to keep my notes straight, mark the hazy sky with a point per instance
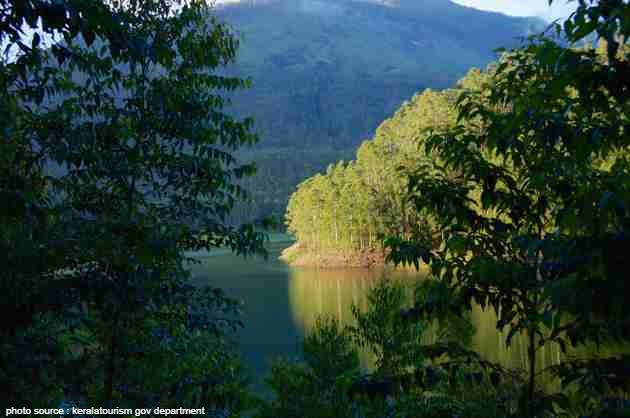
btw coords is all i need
(559, 8)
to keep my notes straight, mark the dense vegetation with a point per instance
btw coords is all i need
(530, 197)
(353, 205)
(524, 199)
(115, 157)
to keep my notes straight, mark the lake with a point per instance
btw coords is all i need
(282, 303)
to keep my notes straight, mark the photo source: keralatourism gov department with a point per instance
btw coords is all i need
(105, 411)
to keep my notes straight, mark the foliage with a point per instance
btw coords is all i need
(529, 192)
(354, 204)
(403, 383)
(320, 386)
(395, 342)
(115, 157)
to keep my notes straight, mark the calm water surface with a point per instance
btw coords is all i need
(282, 303)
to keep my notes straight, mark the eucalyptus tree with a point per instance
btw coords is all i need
(361, 201)
(531, 200)
(115, 158)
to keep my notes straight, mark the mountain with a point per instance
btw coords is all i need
(325, 73)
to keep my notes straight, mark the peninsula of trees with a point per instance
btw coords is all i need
(339, 218)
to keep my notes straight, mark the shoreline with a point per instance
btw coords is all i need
(297, 255)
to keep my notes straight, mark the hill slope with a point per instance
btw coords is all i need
(326, 72)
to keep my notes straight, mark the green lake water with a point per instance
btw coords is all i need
(282, 303)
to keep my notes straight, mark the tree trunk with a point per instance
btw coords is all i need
(531, 355)
(110, 370)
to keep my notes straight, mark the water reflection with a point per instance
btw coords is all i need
(490, 343)
(332, 292)
(313, 293)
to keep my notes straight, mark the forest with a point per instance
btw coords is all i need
(355, 204)
(119, 159)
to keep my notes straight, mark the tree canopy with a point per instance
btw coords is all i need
(115, 158)
(353, 205)
(529, 193)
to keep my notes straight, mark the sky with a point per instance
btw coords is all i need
(540, 8)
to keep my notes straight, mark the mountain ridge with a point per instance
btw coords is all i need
(325, 73)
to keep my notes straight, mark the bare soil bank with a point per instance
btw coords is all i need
(299, 256)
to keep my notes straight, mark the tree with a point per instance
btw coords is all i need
(115, 158)
(318, 387)
(394, 341)
(531, 199)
